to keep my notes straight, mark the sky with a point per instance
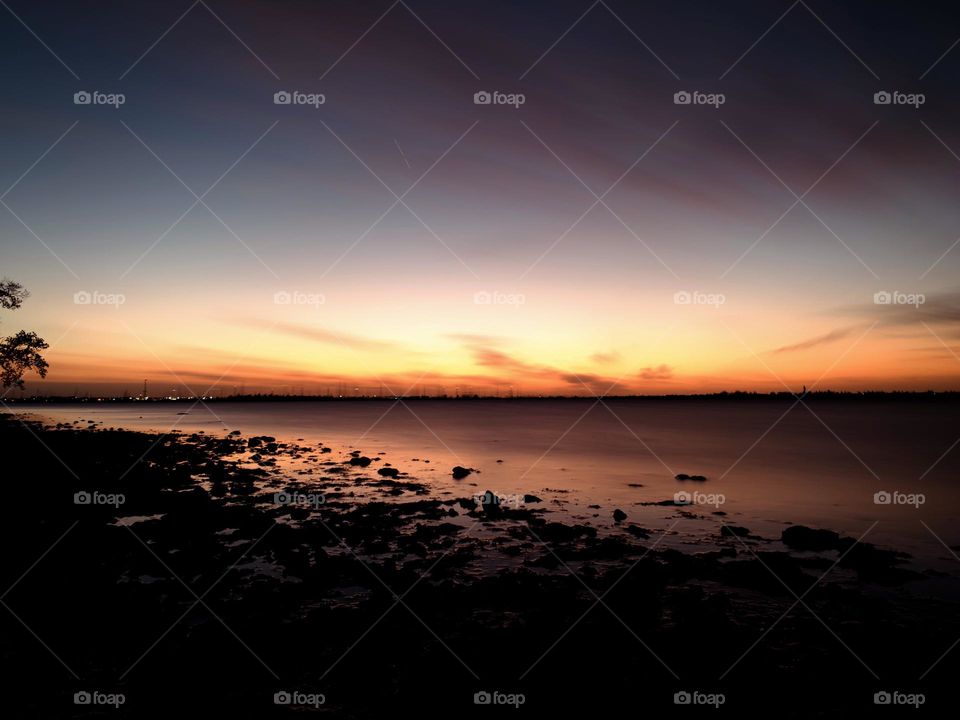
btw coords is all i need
(584, 233)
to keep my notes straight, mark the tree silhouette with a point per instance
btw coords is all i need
(20, 352)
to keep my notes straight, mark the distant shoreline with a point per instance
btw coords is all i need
(949, 396)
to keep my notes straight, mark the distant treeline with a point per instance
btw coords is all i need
(738, 395)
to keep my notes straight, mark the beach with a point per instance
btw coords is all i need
(222, 567)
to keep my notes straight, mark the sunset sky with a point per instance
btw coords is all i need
(299, 268)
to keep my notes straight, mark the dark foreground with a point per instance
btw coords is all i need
(358, 593)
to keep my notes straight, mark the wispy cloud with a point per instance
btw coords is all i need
(825, 339)
(321, 335)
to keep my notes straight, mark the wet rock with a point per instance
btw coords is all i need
(490, 502)
(460, 472)
(361, 461)
(734, 531)
(800, 537)
(691, 478)
(619, 515)
(388, 472)
(531, 499)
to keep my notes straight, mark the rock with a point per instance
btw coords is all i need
(460, 472)
(734, 531)
(388, 472)
(691, 478)
(619, 515)
(531, 499)
(467, 503)
(235, 433)
(800, 537)
(254, 442)
(490, 502)
(361, 461)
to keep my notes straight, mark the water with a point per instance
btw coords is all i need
(773, 465)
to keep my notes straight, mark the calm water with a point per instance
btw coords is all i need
(771, 468)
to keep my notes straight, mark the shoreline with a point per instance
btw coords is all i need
(503, 583)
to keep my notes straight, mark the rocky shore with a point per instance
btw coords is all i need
(251, 577)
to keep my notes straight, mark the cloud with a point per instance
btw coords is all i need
(604, 358)
(825, 339)
(942, 308)
(315, 334)
(660, 372)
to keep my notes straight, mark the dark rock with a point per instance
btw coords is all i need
(619, 515)
(460, 472)
(531, 499)
(361, 461)
(734, 531)
(800, 537)
(388, 472)
(490, 502)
